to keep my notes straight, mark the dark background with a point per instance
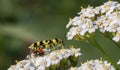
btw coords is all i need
(23, 22)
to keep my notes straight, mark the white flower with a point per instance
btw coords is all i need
(108, 6)
(42, 67)
(73, 31)
(97, 10)
(105, 18)
(88, 12)
(73, 22)
(118, 6)
(94, 65)
(73, 68)
(76, 52)
(118, 62)
(117, 37)
(41, 62)
(48, 62)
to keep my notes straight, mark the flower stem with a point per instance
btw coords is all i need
(114, 42)
(96, 45)
(107, 35)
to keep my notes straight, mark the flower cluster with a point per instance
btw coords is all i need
(52, 61)
(94, 65)
(105, 18)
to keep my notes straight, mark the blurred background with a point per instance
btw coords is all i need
(23, 22)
